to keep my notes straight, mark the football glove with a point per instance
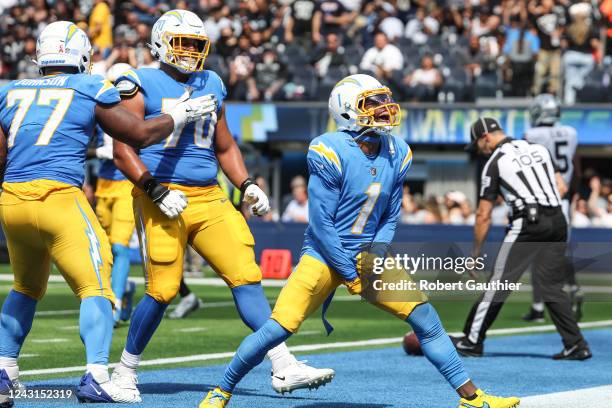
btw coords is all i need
(255, 197)
(170, 202)
(105, 152)
(189, 109)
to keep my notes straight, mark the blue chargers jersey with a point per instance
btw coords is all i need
(353, 200)
(188, 158)
(48, 123)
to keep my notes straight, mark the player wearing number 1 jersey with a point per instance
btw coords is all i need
(561, 141)
(354, 200)
(45, 127)
(178, 201)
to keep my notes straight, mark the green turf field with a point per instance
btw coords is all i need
(54, 339)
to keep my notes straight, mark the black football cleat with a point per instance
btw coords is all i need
(466, 348)
(578, 351)
(533, 316)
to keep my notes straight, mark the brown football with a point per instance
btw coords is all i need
(411, 345)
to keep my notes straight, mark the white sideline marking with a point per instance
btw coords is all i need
(588, 397)
(69, 328)
(192, 329)
(27, 355)
(309, 347)
(56, 340)
(309, 332)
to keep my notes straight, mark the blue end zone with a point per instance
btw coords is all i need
(517, 365)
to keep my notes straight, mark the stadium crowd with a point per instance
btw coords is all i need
(444, 50)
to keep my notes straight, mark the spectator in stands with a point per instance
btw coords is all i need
(330, 16)
(270, 76)
(382, 58)
(227, 44)
(100, 26)
(602, 217)
(581, 43)
(297, 209)
(261, 16)
(421, 27)
(521, 50)
(580, 217)
(452, 202)
(147, 11)
(475, 60)
(390, 24)
(548, 21)
(299, 21)
(241, 83)
(606, 11)
(433, 213)
(424, 83)
(25, 67)
(331, 55)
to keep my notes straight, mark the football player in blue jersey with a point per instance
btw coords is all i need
(354, 199)
(45, 127)
(185, 166)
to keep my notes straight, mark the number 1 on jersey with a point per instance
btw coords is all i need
(372, 192)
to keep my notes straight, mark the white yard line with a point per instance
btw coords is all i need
(192, 329)
(309, 347)
(56, 340)
(596, 397)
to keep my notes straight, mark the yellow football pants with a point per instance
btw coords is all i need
(210, 224)
(307, 288)
(114, 209)
(59, 227)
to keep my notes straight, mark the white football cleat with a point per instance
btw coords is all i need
(126, 381)
(187, 305)
(299, 375)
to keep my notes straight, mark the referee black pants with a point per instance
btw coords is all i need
(541, 245)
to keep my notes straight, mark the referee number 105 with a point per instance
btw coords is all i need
(528, 159)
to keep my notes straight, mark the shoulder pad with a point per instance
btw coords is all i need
(126, 88)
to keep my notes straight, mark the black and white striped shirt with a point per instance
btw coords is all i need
(523, 173)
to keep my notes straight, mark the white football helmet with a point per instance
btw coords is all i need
(63, 44)
(361, 101)
(170, 36)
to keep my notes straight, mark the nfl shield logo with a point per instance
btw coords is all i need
(373, 171)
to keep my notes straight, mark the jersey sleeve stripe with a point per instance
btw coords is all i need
(407, 160)
(327, 153)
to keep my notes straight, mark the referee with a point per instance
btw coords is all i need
(524, 174)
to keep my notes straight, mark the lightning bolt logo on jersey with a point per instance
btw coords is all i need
(48, 123)
(187, 158)
(367, 186)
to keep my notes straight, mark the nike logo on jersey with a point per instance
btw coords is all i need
(279, 377)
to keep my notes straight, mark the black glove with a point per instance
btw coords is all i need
(155, 191)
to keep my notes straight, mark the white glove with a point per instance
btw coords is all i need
(189, 109)
(104, 152)
(170, 202)
(173, 203)
(257, 200)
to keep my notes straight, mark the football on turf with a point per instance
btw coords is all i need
(411, 345)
